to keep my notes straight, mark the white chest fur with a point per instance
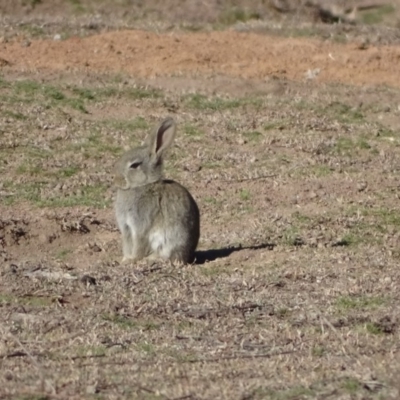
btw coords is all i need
(161, 243)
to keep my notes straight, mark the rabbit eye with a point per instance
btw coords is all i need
(135, 165)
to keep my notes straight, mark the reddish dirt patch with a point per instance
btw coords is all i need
(246, 55)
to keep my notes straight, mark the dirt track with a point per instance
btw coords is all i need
(245, 55)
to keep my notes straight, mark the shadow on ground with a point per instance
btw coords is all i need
(204, 256)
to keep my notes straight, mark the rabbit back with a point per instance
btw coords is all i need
(162, 218)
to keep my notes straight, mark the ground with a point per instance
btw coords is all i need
(288, 139)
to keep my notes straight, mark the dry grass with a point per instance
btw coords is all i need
(298, 202)
(295, 293)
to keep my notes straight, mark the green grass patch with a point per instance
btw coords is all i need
(67, 172)
(350, 239)
(384, 216)
(385, 132)
(273, 125)
(91, 351)
(211, 164)
(29, 169)
(346, 303)
(63, 254)
(302, 218)
(321, 170)
(253, 136)
(90, 196)
(210, 200)
(49, 96)
(204, 103)
(121, 321)
(140, 93)
(234, 15)
(29, 191)
(373, 328)
(292, 237)
(348, 146)
(52, 96)
(299, 392)
(344, 112)
(318, 351)
(85, 93)
(377, 15)
(14, 115)
(33, 397)
(351, 385)
(130, 324)
(33, 301)
(77, 6)
(200, 102)
(375, 220)
(244, 194)
(146, 347)
(95, 146)
(191, 130)
(130, 125)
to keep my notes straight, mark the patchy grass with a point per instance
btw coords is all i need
(27, 300)
(345, 113)
(245, 195)
(359, 303)
(298, 266)
(92, 196)
(62, 254)
(347, 146)
(349, 239)
(192, 130)
(127, 126)
(253, 135)
(234, 15)
(204, 103)
(373, 328)
(377, 16)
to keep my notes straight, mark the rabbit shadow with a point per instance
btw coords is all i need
(203, 256)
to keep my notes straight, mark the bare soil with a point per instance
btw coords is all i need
(234, 54)
(290, 145)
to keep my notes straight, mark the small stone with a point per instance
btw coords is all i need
(312, 195)
(57, 37)
(312, 73)
(91, 389)
(361, 186)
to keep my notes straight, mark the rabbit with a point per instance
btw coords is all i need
(158, 218)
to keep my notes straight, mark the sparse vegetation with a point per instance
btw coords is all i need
(192, 130)
(214, 104)
(359, 303)
(294, 291)
(376, 16)
(234, 15)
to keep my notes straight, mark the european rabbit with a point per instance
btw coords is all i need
(157, 217)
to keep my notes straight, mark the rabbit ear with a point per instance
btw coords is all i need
(163, 137)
